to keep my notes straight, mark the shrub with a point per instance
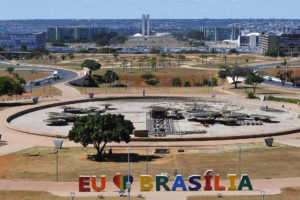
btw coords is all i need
(205, 82)
(250, 95)
(187, 84)
(197, 84)
(176, 82)
(214, 81)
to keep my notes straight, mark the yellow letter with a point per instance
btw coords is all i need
(146, 183)
(232, 178)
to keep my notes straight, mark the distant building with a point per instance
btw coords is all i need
(72, 33)
(14, 41)
(249, 40)
(220, 33)
(146, 25)
(288, 43)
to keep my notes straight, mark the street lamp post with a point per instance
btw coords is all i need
(262, 194)
(240, 152)
(128, 178)
(72, 195)
(147, 169)
(56, 152)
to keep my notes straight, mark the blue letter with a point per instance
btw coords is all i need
(194, 182)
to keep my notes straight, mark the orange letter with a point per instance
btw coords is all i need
(217, 183)
(94, 184)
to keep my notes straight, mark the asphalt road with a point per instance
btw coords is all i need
(64, 75)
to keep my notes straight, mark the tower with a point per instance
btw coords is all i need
(148, 25)
(145, 25)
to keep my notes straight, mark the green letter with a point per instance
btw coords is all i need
(162, 181)
(245, 182)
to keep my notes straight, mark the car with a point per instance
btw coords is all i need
(269, 78)
(277, 67)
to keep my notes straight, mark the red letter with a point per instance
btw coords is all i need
(208, 178)
(217, 183)
(84, 181)
(94, 184)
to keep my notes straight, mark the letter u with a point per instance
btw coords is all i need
(94, 184)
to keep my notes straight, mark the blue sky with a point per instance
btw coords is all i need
(132, 9)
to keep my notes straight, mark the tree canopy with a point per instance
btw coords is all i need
(274, 52)
(284, 76)
(9, 86)
(92, 65)
(235, 72)
(254, 79)
(98, 130)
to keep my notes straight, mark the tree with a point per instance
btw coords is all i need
(232, 51)
(23, 48)
(181, 57)
(63, 57)
(274, 52)
(153, 61)
(9, 86)
(92, 65)
(254, 79)
(155, 51)
(10, 69)
(71, 55)
(187, 84)
(148, 76)
(214, 81)
(284, 76)
(196, 35)
(98, 130)
(176, 82)
(110, 76)
(235, 72)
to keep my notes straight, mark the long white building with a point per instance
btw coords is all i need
(14, 41)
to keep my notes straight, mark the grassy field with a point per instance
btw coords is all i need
(257, 160)
(241, 90)
(36, 92)
(287, 194)
(28, 75)
(30, 195)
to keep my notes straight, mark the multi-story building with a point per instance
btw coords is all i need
(287, 43)
(220, 33)
(14, 41)
(146, 25)
(72, 33)
(249, 40)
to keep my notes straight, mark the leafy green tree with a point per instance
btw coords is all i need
(92, 65)
(205, 82)
(71, 55)
(23, 48)
(63, 57)
(274, 52)
(10, 69)
(214, 81)
(9, 86)
(235, 72)
(187, 84)
(153, 62)
(147, 76)
(181, 57)
(284, 76)
(155, 51)
(110, 76)
(233, 51)
(176, 82)
(98, 130)
(254, 79)
(2, 49)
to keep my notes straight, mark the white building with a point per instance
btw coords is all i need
(14, 41)
(249, 40)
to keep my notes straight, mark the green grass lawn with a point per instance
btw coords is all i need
(257, 160)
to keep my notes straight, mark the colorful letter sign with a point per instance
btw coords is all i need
(88, 183)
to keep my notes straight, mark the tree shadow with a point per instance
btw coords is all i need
(123, 157)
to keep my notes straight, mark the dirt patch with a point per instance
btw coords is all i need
(3, 163)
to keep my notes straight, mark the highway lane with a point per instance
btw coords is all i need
(64, 75)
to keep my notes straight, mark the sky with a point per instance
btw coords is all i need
(158, 9)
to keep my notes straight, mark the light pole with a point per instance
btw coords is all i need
(147, 169)
(262, 194)
(128, 178)
(72, 195)
(56, 152)
(240, 152)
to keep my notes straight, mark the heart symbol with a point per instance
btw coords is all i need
(120, 181)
